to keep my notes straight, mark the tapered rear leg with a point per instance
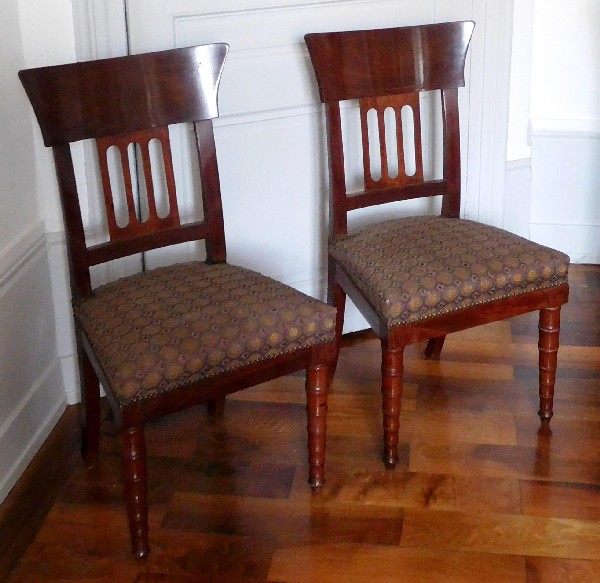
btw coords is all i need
(434, 348)
(549, 328)
(317, 378)
(133, 467)
(90, 407)
(335, 297)
(392, 366)
(215, 407)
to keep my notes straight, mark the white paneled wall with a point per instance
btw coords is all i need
(270, 136)
(31, 384)
(565, 128)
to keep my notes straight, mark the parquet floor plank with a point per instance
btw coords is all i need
(566, 500)
(364, 564)
(504, 534)
(550, 570)
(480, 493)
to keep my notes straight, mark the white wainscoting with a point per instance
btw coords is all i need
(31, 383)
(65, 334)
(517, 200)
(565, 212)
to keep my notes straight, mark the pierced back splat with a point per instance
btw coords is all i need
(402, 141)
(135, 226)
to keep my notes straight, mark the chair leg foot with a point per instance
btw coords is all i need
(549, 328)
(133, 466)
(390, 464)
(317, 377)
(391, 387)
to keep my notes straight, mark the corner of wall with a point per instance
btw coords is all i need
(31, 376)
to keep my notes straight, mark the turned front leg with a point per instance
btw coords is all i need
(316, 408)
(392, 366)
(133, 466)
(549, 327)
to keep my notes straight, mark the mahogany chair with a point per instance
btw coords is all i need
(171, 337)
(419, 277)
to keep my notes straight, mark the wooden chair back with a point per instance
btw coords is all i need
(123, 101)
(385, 70)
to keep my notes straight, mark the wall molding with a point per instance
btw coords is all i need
(275, 6)
(15, 256)
(566, 128)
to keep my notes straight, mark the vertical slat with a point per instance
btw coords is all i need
(415, 105)
(385, 174)
(102, 146)
(76, 248)
(451, 201)
(150, 192)
(365, 107)
(162, 135)
(211, 191)
(123, 146)
(399, 140)
(338, 219)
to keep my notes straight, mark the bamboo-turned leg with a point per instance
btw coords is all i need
(316, 408)
(549, 327)
(434, 348)
(90, 407)
(215, 407)
(133, 466)
(391, 388)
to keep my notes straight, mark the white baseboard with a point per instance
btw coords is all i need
(70, 374)
(28, 426)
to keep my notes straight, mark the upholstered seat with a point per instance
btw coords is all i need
(416, 268)
(169, 327)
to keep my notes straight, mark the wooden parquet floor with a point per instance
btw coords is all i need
(480, 495)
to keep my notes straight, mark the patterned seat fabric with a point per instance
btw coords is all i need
(158, 330)
(420, 267)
